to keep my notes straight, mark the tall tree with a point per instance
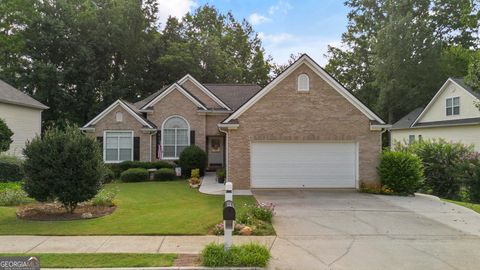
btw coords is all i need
(406, 58)
(212, 47)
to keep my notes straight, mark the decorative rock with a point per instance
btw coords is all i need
(246, 231)
(87, 215)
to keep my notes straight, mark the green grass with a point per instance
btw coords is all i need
(149, 208)
(91, 260)
(474, 206)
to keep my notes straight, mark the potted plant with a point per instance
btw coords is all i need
(194, 178)
(221, 174)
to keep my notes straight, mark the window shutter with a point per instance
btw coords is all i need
(192, 137)
(159, 141)
(100, 141)
(136, 148)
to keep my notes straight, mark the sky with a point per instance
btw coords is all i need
(285, 26)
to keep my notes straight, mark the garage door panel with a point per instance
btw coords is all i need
(290, 165)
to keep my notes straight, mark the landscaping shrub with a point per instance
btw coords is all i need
(443, 165)
(247, 255)
(105, 197)
(5, 136)
(164, 174)
(66, 166)
(401, 172)
(193, 157)
(10, 172)
(134, 175)
(125, 165)
(108, 176)
(13, 197)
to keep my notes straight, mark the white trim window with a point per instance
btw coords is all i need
(175, 137)
(303, 83)
(452, 106)
(117, 146)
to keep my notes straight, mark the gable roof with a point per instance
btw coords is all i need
(171, 88)
(305, 59)
(234, 95)
(457, 81)
(127, 107)
(11, 95)
(188, 77)
(407, 120)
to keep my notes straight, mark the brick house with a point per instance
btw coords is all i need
(302, 130)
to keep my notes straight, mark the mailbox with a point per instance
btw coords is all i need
(228, 210)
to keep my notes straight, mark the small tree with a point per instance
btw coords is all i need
(192, 157)
(63, 165)
(5, 136)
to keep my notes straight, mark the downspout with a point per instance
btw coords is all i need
(226, 153)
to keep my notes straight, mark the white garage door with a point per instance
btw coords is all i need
(303, 165)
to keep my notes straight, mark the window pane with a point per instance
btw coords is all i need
(449, 102)
(168, 136)
(111, 154)
(456, 110)
(180, 149)
(176, 122)
(169, 151)
(182, 137)
(112, 142)
(456, 101)
(449, 111)
(125, 154)
(126, 142)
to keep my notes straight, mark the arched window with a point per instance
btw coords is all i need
(175, 137)
(303, 82)
(119, 116)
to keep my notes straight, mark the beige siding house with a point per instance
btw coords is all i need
(302, 130)
(451, 115)
(23, 115)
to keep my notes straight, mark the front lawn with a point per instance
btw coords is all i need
(474, 206)
(98, 260)
(148, 208)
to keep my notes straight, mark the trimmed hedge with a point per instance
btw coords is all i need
(118, 168)
(192, 157)
(247, 255)
(10, 172)
(164, 174)
(401, 172)
(134, 175)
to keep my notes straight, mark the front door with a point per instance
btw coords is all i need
(216, 152)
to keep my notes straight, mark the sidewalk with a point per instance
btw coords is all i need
(211, 186)
(118, 244)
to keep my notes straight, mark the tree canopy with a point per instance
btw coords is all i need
(79, 56)
(396, 53)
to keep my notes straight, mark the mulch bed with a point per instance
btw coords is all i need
(187, 260)
(55, 211)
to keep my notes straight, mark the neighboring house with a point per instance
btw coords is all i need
(23, 116)
(302, 130)
(450, 115)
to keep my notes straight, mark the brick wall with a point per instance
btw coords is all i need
(109, 122)
(321, 114)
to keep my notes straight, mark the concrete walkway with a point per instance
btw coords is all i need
(211, 186)
(118, 244)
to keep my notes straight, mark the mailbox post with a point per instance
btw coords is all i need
(229, 216)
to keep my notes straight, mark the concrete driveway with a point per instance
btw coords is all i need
(321, 229)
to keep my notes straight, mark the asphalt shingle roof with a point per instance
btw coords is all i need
(11, 95)
(234, 95)
(407, 120)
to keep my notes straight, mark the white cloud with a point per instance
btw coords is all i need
(282, 6)
(174, 8)
(256, 19)
(275, 38)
